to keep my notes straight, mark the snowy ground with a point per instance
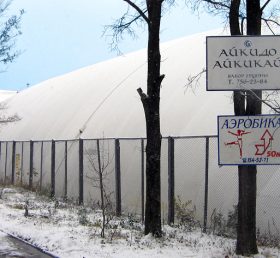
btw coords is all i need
(65, 230)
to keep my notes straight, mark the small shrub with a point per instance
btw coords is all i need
(97, 224)
(45, 191)
(26, 208)
(221, 226)
(131, 222)
(83, 217)
(269, 238)
(114, 233)
(185, 214)
(232, 222)
(18, 206)
(217, 223)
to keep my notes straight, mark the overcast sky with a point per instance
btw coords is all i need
(60, 36)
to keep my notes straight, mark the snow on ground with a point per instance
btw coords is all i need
(67, 230)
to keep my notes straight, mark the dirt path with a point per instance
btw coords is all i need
(11, 247)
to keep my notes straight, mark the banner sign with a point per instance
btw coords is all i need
(249, 140)
(242, 62)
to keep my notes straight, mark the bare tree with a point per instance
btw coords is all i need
(100, 163)
(246, 226)
(4, 119)
(241, 13)
(226, 8)
(9, 31)
(148, 12)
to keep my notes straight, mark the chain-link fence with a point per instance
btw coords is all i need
(189, 173)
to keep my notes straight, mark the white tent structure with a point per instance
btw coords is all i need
(101, 101)
(5, 94)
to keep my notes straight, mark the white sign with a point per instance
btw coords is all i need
(243, 63)
(249, 140)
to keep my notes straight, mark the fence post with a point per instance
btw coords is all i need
(143, 179)
(41, 165)
(21, 163)
(53, 169)
(206, 184)
(1, 157)
(81, 171)
(171, 181)
(118, 178)
(31, 164)
(13, 162)
(65, 170)
(6, 161)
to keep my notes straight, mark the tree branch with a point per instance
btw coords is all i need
(266, 102)
(161, 77)
(242, 25)
(193, 80)
(272, 21)
(143, 96)
(269, 27)
(121, 26)
(216, 3)
(10, 119)
(141, 13)
(266, 3)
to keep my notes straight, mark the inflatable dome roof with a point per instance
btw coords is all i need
(5, 94)
(101, 100)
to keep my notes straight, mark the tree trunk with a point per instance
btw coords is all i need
(246, 227)
(101, 188)
(151, 103)
(247, 175)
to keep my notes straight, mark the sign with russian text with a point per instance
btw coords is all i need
(249, 140)
(242, 62)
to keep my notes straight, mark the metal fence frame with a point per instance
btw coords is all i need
(117, 166)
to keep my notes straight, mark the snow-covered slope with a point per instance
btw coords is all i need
(101, 100)
(57, 227)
